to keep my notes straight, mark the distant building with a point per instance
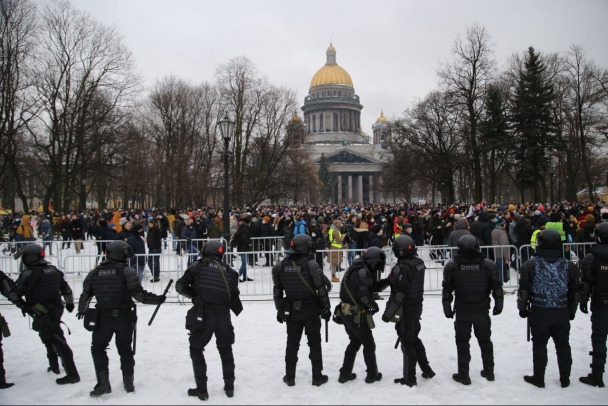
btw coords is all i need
(332, 118)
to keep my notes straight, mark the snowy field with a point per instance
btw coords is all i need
(163, 371)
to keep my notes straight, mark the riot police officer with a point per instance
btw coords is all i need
(549, 295)
(213, 288)
(472, 277)
(305, 287)
(405, 308)
(6, 286)
(114, 285)
(357, 308)
(595, 285)
(43, 285)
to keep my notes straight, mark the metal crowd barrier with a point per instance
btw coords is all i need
(259, 268)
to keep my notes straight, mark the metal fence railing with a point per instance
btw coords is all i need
(269, 251)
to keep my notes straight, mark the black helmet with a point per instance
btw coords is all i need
(119, 251)
(404, 246)
(468, 243)
(549, 239)
(302, 244)
(213, 248)
(601, 233)
(375, 258)
(31, 254)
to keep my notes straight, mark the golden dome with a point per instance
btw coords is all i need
(381, 118)
(331, 73)
(295, 117)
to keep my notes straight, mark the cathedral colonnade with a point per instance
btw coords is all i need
(356, 187)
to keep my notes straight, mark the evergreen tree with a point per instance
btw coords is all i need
(533, 124)
(494, 142)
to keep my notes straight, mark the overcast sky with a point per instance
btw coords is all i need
(390, 48)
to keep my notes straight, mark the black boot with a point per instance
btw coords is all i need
(3, 383)
(373, 378)
(199, 393)
(462, 378)
(103, 384)
(488, 374)
(427, 372)
(320, 380)
(127, 380)
(69, 378)
(593, 379)
(346, 378)
(535, 380)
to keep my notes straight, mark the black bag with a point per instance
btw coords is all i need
(194, 318)
(236, 306)
(337, 316)
(91, 316)
(43, 324)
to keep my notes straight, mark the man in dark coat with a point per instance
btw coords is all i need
(242, 241)
(305, 287)
(212, 286)
(154, 242)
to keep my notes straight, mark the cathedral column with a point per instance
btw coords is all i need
(339, 189)
(371, 188)
(360, 191)
(350, 188)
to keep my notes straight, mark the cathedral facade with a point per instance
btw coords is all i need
(332, 119)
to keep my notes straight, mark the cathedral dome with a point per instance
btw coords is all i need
(381, 118)
(331, 73)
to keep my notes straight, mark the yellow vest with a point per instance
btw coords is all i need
(332, 239)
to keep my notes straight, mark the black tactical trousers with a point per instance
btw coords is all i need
(215, 321)
(480, 323)
(121, 324)
(55, 342)
(599, 332)
(359, 335)
(412, 347)
(555, 324)
(305, 320)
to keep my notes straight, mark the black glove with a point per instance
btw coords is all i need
(385, 318)
(326, 314)
(161, 299)
(79, 316)
(572, 315)
(584, 309)
(496, 311)
(281, 316)
(448, 313)
(69, 307)
(523, 313)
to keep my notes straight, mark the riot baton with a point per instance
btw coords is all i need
(158, 305)
(397, 342)
(326, 331)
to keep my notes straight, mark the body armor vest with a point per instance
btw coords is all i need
(209, 284)
(351, 279)
(414, 269)
(48, 287)
(550, 284)
(471, 282)
(600, 284)
(295, 288)
(109, 286)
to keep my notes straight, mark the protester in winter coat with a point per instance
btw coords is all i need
(460, 229)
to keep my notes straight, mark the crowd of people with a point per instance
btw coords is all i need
(551, 288)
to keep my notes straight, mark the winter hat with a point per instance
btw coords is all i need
(589, 218)
(407, 225)
(556, 217)
(376, 229)
(499, 222)
(537, 213)
(266, 219)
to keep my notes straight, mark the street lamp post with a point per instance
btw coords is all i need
(551, 181)
(226, 129)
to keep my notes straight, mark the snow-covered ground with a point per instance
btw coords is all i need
(163, 370)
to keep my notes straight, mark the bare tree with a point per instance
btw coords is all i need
(180, 121)
(262, 112)
(466, 79)
(587, 101)
(83, 75)
(17, 47)
(428, 138)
